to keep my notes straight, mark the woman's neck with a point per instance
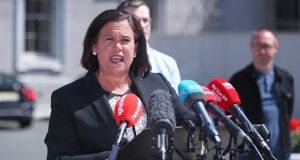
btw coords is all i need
(114, 84)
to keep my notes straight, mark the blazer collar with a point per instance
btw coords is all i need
(99, 99)
(139, 88)
(255, 75)
(92, 84)
(142, 89)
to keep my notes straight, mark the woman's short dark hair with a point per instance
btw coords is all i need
(140, 65)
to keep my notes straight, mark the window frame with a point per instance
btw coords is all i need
(26, 62)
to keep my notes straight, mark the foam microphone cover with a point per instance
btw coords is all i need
(129, 108)
(225, 93)
(161, 111)
(209, 95)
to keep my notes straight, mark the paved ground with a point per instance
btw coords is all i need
(23, 144)
(295, 156)
(42, 111)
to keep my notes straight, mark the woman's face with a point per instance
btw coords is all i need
(115, 48)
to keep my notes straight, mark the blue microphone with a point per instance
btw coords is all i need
(192, 96)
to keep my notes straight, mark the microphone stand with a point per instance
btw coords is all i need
(190, 143)
(218, 155)
(231, 148)
(162, 140)
(218, 147)
(190, 137)
(203, 145)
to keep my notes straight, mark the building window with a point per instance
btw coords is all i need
(37, 28)
(287, 15)
(39, 40)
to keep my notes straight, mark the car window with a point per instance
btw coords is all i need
(7, 82)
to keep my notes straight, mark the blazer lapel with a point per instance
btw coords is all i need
(102, 108)
(141, 90)
(99, 101)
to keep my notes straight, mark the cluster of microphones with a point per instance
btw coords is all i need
(209, 104)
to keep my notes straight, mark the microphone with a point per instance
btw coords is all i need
(128, 111)
(228, 99)
(192, 96)
(234, 129)
(161, 120)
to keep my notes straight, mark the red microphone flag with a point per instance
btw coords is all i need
(209, 95)
(225, 93)
(129, 108)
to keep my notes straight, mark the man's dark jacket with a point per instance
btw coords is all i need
(244, 82)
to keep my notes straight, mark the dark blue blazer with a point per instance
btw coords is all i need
(82, 125)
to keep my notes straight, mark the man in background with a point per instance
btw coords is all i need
(160, 62)
(267, 93)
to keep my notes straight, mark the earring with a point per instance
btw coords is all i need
(94, 53)
(134, 54)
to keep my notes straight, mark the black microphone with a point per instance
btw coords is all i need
(229, 100)
(189, 94)
(234, 129)
(162, 120)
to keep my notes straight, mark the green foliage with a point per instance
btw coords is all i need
(295, 135)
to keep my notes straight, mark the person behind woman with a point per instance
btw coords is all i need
(267, 93)
(81, 124)
(160, 62)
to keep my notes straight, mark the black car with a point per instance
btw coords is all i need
(16, 100)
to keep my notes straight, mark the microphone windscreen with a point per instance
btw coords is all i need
(209, 95)
(225, 93)
(190, 92)
(161, 111)
(129, 108)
